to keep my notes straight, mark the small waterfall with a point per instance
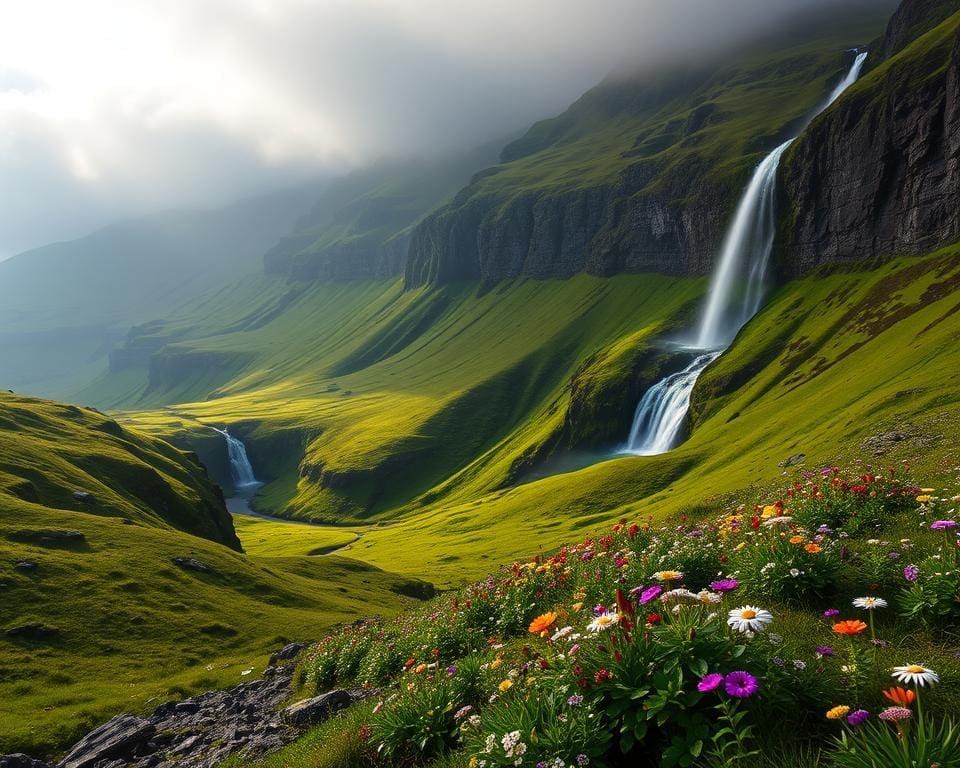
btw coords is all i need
(244, 481)
(737, 290)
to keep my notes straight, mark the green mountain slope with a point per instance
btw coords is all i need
(96, 614)
(65, 305)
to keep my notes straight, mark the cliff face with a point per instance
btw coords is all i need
(878, 175)
(641, 173)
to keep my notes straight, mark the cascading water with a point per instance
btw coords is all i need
(244, 481)
(737, 290)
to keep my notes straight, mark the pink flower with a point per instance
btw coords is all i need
(710, 682)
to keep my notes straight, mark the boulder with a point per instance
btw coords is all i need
(84, 497)
(117, 739)
(192, 564)
(288, 652)
(26, 566)
(33, 631)
(317, 709)
(20, 760)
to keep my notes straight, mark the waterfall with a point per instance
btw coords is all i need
(738, 287)
(244, 481)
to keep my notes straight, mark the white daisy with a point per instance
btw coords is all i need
(603, 621)
(749, 618)
(914, 674)
(869, 603)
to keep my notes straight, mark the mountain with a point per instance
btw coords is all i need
(63, 306)
(359, 228)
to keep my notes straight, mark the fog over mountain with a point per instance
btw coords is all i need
(111, 108)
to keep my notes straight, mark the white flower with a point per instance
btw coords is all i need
(561, 633)
(707, 597)
(603, 621)
(869, 603)
(749, 618)
(914, 674)
(794, 572)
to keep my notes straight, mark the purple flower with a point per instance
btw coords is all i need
(583, 760)
(830, 613)
(911, 572)
(826, 472)
(695, 533)
(942, 525)
(463, 712)
(710, 682)
(724, 585)
(894, 555)
(824, 650)
(857, 717)
(741, 685)
(576, 700)
(824, 529)
(649, 593)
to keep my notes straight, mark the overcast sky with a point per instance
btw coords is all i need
(114, 107)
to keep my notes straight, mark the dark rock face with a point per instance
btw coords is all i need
(878, 175)
(911, 19)
(602, 231)
(48, 536)
(33, 632)
(203, 731)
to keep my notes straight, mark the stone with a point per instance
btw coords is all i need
(20, 760)
(192, 564)
(33, 631)
(317, 709)
(26, 566)
(288, 652)
(84, 497)
(797, 458)
(116, 739)
(47, 536)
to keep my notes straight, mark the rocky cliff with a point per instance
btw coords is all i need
(878, 174)
(642, 172)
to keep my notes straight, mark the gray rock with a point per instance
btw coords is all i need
(85, 497)
(192, 564)
(20, 760)
(311, 711)
(797, 458)
(26, 566)
(116, 739)
(288, 652)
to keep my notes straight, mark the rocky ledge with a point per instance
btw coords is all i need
(203, 731)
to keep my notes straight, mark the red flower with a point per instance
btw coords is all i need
(754, 522)
(601, 676)
(633, 530)
(624, 604)
(654, 618)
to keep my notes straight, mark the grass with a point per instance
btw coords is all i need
(267, 538)
(132, 628)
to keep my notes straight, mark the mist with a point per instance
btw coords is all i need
(113, 108)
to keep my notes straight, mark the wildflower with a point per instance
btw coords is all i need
(542, 623)
(710, 682)
(463, 712)
(649, 593)
(858, 717)
(893, 714)
(923, 498)
(576, 700)
(505, 685)
(902, 697)
(707, 597)
(601, 676)
(849, 627)
(914, 674)
(812, 548)
(603, 621)
(942, 525)
(869, 603)
(830, 613)
(799, 664)
(654, 618)
(749, 619)
(724, 585)
(668, 575)
(740, 684)
(679, 595)
(823, 650)
(837, 712)
(773, 522)
(795, 572)
(911, 572)
(562, 632)
(582, 760)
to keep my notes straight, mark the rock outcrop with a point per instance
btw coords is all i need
(878, 174)
(203, 731)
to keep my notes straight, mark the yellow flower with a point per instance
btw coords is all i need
(668, 575)
(576, 607)
(924, 498)
(769, 511)
(506, 685)
(837, 712)
(473, 763)
(496, 662)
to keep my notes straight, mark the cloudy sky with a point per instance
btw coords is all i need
(114, 107)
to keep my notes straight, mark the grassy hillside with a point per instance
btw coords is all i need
(64, 306)
(97, 617)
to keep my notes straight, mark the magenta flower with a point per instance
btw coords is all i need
(892, 714)
(911, 572)
(824, 650)
(942, 525)
(649, 593)
(724, 585)
(830, 613)
(858, 717)
(741, 685)
(710, 682)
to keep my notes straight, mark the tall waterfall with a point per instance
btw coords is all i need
(244, 481)
(738, 287)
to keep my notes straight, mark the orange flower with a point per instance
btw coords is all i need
(900, 696)
(542, 623)
(812, 548)
(796, 539)
(849, 627)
